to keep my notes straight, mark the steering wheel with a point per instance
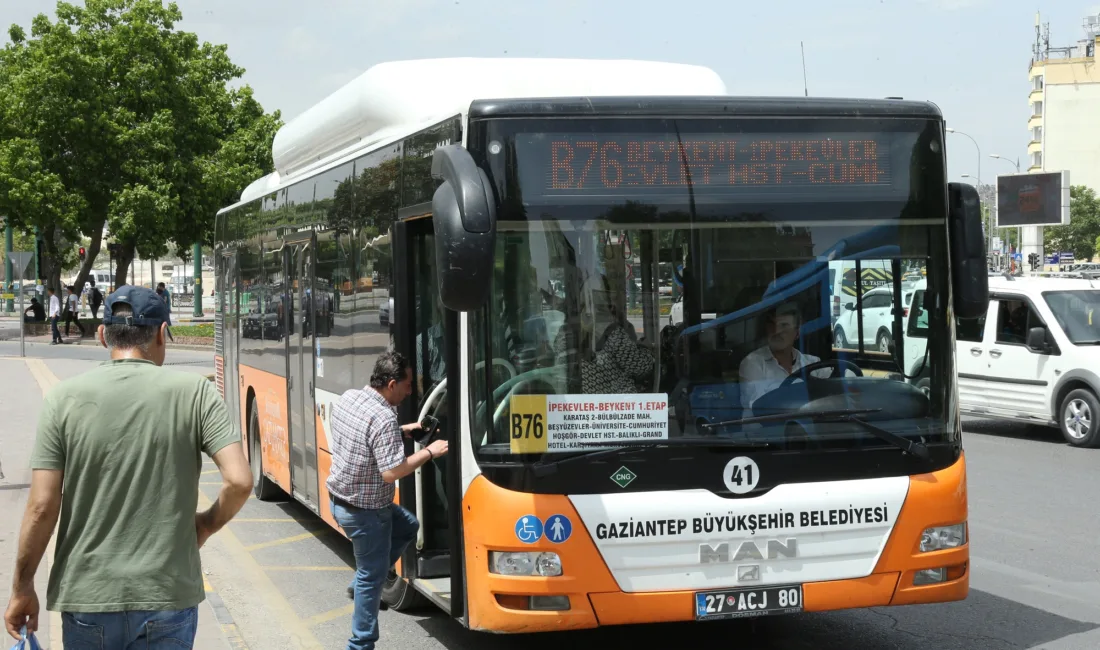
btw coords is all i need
(838, 366)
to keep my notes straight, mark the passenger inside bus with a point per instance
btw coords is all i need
(606, 347)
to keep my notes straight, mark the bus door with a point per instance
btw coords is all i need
(299, 373)
(420, 336)
(229, 305)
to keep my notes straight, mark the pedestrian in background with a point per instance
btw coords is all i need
(55, 316)
(95, 299)
(72, 311)
(126, 570)
(368, 458)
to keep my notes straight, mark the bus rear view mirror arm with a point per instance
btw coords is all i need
(464, 219)
(967, 248)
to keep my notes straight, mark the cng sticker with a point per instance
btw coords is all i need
(623, 477)
(527, 426)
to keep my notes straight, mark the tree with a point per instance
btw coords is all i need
(113, 122)
(1080, 236)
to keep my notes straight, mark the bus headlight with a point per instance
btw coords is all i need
(939, 538)
(508, 563)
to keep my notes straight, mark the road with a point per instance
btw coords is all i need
(281, 573)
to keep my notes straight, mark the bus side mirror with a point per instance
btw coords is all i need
(464, 218)
(969, 277)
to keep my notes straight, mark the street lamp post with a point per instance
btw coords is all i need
(991, 223)
(979, 176)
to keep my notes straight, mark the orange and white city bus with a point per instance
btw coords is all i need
(526, 225)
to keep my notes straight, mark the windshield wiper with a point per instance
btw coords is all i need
(545, 468)
(918, 449)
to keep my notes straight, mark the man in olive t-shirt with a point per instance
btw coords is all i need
(125, 440)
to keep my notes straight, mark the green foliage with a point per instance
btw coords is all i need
(1083, 232)
(203, 330)
(111, 117)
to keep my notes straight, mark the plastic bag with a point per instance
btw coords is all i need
(28, 642)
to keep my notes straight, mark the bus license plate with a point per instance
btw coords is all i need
(744, 603)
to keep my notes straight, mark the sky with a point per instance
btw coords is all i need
(969, 57)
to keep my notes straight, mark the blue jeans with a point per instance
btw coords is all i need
(138, 630)
(378, 537)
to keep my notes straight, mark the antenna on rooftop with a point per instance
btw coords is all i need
(805, 87)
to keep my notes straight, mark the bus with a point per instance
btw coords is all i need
(519, 220)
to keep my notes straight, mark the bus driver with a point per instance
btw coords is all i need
(765, 368)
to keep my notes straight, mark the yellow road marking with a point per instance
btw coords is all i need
(210, 482)
(261, 585)
(206, 585)
(42, 374)
(287, 540)
(325, 617)
(271, 567)
(210, 471)
(269, 520)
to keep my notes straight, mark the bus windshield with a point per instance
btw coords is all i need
(652, 288)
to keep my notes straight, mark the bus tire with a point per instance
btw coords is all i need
(264, 488)
(400, 595)
(1077, 418)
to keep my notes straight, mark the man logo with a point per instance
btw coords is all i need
(748, 550)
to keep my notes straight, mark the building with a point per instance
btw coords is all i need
(1065, 105)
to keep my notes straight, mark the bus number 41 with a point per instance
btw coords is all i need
(527, 425)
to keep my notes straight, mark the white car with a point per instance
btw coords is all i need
(1034, 357)
(877, 315)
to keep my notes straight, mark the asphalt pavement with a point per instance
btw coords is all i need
(278, 574)
(1035, 582)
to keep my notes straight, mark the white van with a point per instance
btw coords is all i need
(1034, 357)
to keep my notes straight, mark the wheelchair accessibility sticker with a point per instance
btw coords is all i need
(529, 529)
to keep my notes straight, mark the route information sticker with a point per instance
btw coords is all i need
(559, 423)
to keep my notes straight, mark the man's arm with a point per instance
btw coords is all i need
(221, 442)
(39, 519)
(418, 459)
(748, 375)
(236, 486)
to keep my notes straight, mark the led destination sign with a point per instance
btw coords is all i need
(564, 165)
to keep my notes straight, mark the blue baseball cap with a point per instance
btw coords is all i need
(147, 307)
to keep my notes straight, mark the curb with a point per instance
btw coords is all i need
(95, 343)
(225, 620)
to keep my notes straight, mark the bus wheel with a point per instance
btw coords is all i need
(264, 488)
(400, 595)
(1078, 418)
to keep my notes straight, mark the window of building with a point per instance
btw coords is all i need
(1036, 109)
(1037, 159)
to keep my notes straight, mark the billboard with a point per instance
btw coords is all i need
(1040, 199)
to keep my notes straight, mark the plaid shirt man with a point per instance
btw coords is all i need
(366, 441)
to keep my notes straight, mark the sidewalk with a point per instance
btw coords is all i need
(22, 385)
